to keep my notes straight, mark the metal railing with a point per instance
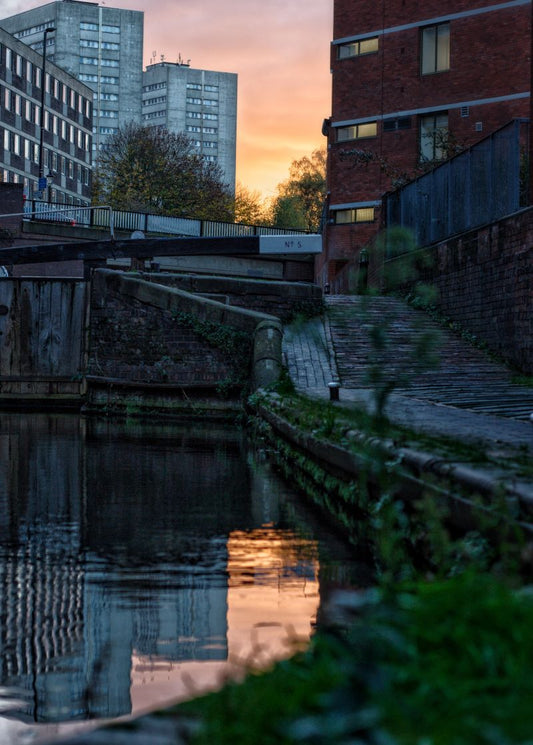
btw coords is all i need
(104, 216)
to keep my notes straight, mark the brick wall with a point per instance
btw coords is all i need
(11, 202)
(144, 333)
(485, 283)
(489, 71)
(281, 299)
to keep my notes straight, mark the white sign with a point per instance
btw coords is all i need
(290, 244)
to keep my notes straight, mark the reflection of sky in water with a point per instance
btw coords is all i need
(138, 566)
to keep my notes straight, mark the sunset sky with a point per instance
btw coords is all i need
(278, 48)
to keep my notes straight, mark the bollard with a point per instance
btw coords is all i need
(334, 391)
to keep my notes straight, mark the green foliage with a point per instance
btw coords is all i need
(153, 170)
(235, 344)
(446, 663)
(300, 199)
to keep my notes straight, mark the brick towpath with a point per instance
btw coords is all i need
(467, 395)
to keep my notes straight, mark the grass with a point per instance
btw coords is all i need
(332, 422)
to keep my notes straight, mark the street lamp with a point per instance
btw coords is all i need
(43, 182)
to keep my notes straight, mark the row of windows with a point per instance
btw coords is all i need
(154, 87)
(106, 28)
(433, 133)
(189, 114)
(358, 214)
(33, 30)
(33, 74)
(201, 115)
(154, 114)
(434, 45)
(201, 101)
(30, 188)
(205, 145)
(18, 145)
(52, 123)
(91, 44)
(198, 87)
(205, 130)
(152, 101)
(95, 61)
(90, 78)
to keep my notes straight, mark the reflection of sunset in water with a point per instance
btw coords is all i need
(272, 601)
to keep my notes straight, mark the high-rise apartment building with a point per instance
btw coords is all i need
(200, 103)
(411, 82)
(45, 126)
(99, 45)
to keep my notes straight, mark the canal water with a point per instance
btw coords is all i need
(141, 565)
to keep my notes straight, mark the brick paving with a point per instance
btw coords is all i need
(466, 395)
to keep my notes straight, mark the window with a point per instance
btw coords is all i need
(358, 48)
(89, 43)
(435, 48)
(7, 99)
(393, 125)
(194, 86)
(109, 63)
(357, 131)
(84, 26)
(433, 137)
(356, 214)
(211, 88)
(110, 29)
(9, 59)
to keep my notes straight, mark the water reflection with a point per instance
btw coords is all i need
(138, 565)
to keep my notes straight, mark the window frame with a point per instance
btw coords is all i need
(352, 49)
(430, 63)
(355, 130)
(437, 150)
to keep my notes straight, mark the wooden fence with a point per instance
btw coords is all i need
(43, 345)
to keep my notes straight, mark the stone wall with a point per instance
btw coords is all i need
(485, 283)
(146, 334)
(285, 300)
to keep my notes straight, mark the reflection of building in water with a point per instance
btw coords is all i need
(42, 626)
(115, 553)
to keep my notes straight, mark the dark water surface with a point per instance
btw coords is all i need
(141, 565)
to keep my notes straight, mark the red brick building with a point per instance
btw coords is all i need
(412, 80)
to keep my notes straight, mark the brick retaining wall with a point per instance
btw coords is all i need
(485, 284)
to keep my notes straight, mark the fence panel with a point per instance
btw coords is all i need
(475, 187)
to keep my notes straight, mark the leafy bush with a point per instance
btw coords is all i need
(435, 663)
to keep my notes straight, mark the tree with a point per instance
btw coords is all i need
(302, 196)
(248, 207)
(153, 170)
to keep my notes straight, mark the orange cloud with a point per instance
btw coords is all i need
(278, 48)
